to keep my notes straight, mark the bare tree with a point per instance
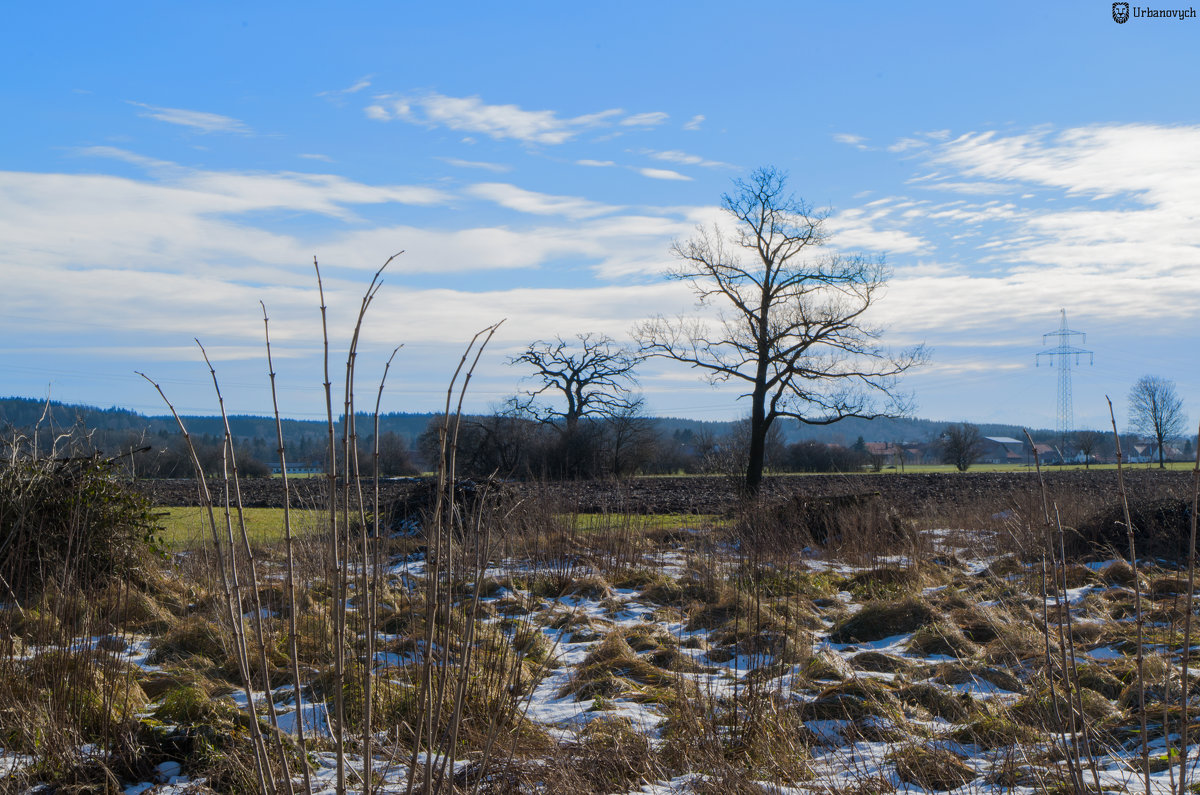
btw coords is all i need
(590, 376)
(1088, 443)
(961, 444)
(631, 440)
(582, 383)
(1155, 409)
(792, 325)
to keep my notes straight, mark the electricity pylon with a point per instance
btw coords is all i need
(1064, 352)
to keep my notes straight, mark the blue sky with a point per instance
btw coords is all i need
(164, 167)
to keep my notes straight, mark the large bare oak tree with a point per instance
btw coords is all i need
(1155, 409)
(792, 322)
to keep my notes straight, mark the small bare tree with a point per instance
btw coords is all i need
(793, 326)
(1155, 409)
(1088, 443)
(961, 444)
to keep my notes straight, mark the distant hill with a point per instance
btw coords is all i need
(22, 413)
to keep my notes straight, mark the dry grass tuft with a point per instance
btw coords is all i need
(932, 768)
(883, 619)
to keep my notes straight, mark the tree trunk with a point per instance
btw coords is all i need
(758, 444)
(1161, 464)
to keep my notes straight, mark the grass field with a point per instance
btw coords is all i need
(185, 528)
(914, 469)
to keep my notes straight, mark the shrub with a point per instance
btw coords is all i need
(70, 522)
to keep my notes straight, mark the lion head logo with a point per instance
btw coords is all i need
(1121, 13)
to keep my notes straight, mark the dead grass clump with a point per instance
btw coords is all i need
(189, 703)
(1016, 645)
(1119, 572)
(1160, 529)
(612, 756)
(853, 700)
(133, 610)
(959, 674)
(936, 701)
(980, 624)
(883, 619)
(531, 642)
(1087, 632)
(883, 581)
(1168, 586)
(648, 637)
(514, 605)
(1099, 679)
(1005, 566)
(931, 768)
(1040, 711)
(992, 732)
(193, 637)
(88, 694)
(1078, 575)
(156, 683)
(396, 617)
(732, 747)
(608, 755)
(33, 626)
(790, 582)
(591, 586)
(825, 666)
(942, 638)
(613, 659)
(688, 589)
(879, 662)
(314, 638)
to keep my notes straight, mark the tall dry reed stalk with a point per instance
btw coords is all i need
(1137, 597)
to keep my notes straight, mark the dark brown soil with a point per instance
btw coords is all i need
(1077, 494)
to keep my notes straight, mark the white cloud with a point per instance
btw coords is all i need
(358, 85)
(502, 122)
(315, 156)
(850, 139)
(195, 119)
(663, 173)
(1101, 217)
(528, 201)
(652, 119)
(116, 153)
(980, 188)
(497, 168)
(905, 144)
(595, 163)
(694, 122)
(684, 159)
(471, 114)
(872, 228)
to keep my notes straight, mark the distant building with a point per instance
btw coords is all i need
(1002, 450)
(1047, 454)
(298, 468)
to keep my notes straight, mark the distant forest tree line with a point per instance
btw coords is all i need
(507, 443)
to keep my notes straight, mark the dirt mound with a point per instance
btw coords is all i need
(413, 509)
(1161, 529)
